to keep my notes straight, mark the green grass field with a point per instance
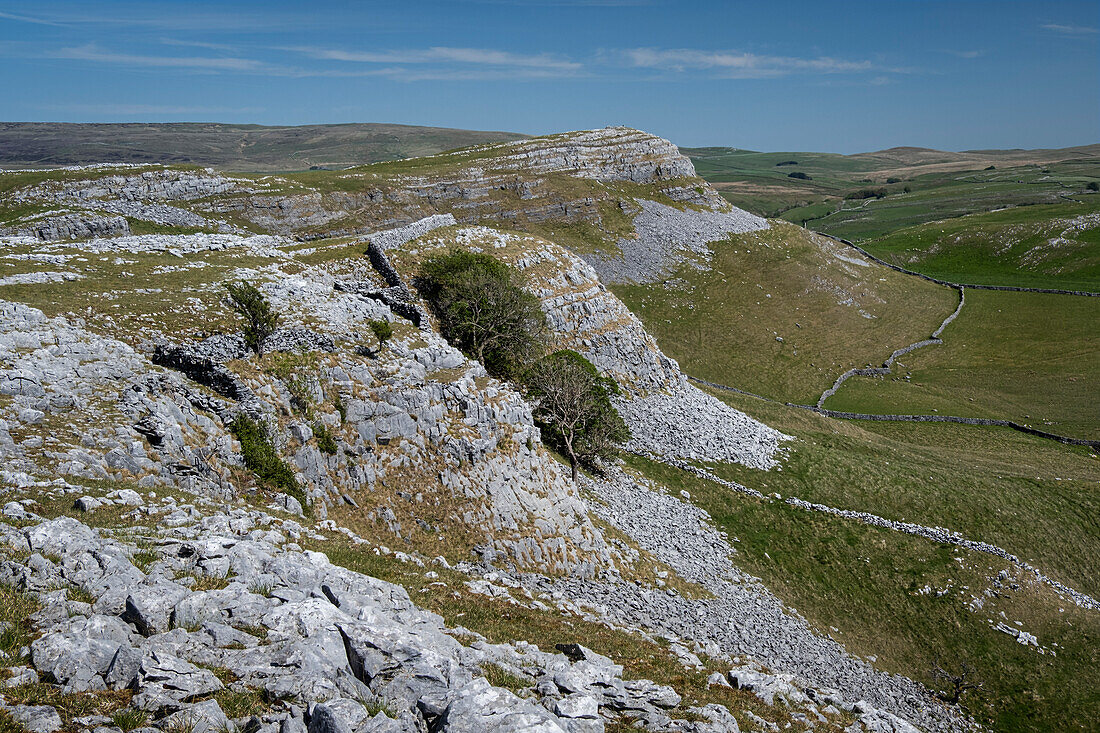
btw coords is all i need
(906, 600)
(1027, 357)
(1035, 498)
(1054, 246)
(920, 186)
(833, 310)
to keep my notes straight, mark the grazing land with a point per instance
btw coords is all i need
(1027, 357)
(839, 193)
(1053, 246)
(783, 312)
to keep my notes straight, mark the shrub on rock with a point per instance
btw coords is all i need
(382, 331)
(483, 310)
(260, 318)
(263, 460)
(574, 408)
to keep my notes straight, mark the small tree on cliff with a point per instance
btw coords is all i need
(260, 319)
(483, 310)
(574, 408)
(382, 330)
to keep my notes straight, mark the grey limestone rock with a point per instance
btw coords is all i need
(201, 717)
(480, 708)
(36, 718)
(74, 226)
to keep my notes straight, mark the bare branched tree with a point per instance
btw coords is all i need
(957, 683)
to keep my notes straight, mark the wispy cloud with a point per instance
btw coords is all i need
(153, 110)
(28, 19)
(1070, 30)
(93, 52)
(169, 18)
(196, 44)
(965, 54)
(738, 64)
(434, 64)
(445, 55)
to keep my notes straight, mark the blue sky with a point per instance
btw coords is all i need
(831, 76)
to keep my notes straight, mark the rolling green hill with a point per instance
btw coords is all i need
(1051, 246)
(839, 193)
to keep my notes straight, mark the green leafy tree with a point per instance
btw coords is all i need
(483, 310)
(574, 408)
(260, 319)
(382, 330)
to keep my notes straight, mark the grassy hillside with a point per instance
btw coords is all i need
(1018, 356)
(837, 194)
(908, 602)
(229, 147)
(783, 312)
(1052, 246)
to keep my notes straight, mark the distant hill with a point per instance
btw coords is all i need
(228, 147)
(869, 195)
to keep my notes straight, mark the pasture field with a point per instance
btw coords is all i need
(783, 312)
(1028, 357)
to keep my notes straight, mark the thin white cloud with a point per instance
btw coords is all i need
(128, 110)
(444, 55)
(29, 19)
(196, 44)
(166, 17)
(738, 64)
(453, 64)
(92, 52)
(965, 54)
(1067, 29)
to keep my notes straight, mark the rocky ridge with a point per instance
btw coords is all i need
(584, 315)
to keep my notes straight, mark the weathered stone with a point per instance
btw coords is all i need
(36, 718)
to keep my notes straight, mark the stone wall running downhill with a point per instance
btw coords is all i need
(889, 363)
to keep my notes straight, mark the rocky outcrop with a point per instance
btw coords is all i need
(151, 185)
(416, 419)
(585, 316)
(331, 649)
(517, 184)
(609, 154)
(140, 196)
(72, 226)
